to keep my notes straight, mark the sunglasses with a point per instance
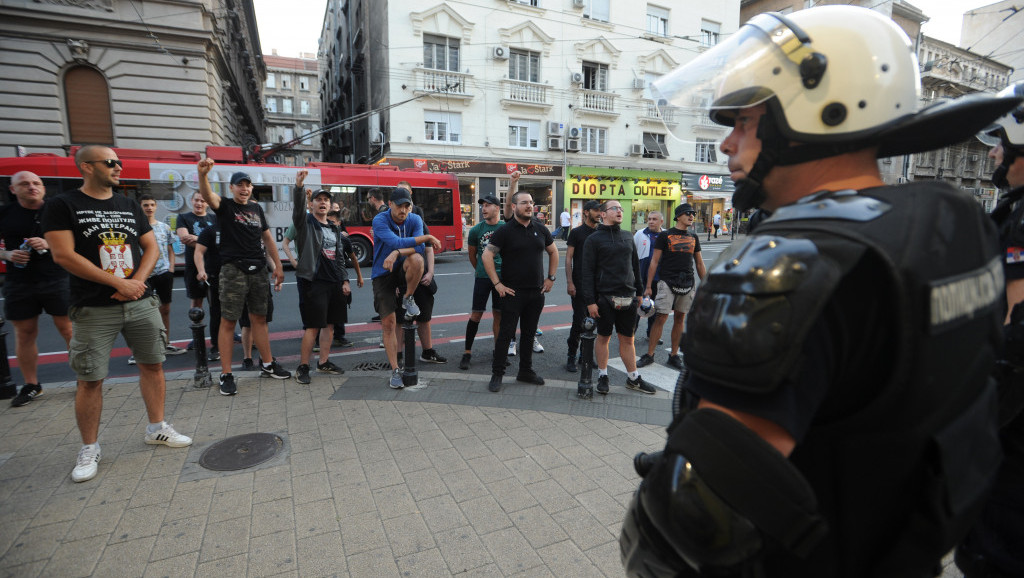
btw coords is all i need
(690, 213)
(109, 163)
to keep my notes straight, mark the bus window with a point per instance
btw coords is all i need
(436, 205)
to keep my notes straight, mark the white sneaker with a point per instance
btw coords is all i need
(168, 437)
(537, 347)
(512, 349)
(87, 465)
(172, 350)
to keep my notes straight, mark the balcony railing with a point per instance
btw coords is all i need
(453, 83)
(526, 92)
(598, 101)
(651, 112)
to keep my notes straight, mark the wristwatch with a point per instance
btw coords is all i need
(552, 278)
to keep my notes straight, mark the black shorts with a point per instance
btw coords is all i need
(482, 289)
(322, 303)
(384, 289)
(162, 284)
(193, 288)
(26, 301)
(243, 321)
(424, 299)
(622, 320)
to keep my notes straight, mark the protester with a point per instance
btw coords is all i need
(161, 280)
(574, 277)
(479, 237)
(189, 225)
(644, 240)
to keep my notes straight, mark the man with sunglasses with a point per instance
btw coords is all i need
(104, 240)
(34, 283)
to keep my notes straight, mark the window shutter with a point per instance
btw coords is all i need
(88, 106)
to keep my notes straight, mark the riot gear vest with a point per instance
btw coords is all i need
(900, 475)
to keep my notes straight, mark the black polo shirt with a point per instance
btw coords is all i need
(522, 250)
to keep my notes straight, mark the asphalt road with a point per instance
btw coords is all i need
(455, 282)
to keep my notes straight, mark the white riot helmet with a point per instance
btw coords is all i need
(1008, 131)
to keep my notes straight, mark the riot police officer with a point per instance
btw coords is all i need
(838, 419)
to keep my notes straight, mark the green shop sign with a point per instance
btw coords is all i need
(624, 184)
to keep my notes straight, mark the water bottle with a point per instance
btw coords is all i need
(27, 248)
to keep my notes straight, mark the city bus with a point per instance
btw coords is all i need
(171, 178)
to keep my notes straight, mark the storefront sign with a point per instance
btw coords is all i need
(473, 167)
(639, 189)
(708, 183)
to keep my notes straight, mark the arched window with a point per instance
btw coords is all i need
(87, 98)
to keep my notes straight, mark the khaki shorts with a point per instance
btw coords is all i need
(94, 329)
(666, 301)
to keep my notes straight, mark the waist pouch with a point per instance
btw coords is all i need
(622, 302)
(680, 290)
(250, 266)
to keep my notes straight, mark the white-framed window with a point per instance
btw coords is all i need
(271, 80)
(654, 146)
(523, 133)
(593, 140)
(710, 33)
(286, 105)
(706, 151)
(442, 127)
(286, 81)
(303, 107)
(271, 104)
(595, 76)
(289, 134)
(304, 83)
(524, 65)
(657, 20)
(440, 52)
(597, 10)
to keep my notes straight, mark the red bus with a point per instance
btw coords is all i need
(171, 178)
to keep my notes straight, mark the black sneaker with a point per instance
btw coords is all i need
(29, 391)
(238, 338)
(248, 365)
(302, 373)
(530, 377)
(329, 367)
(464, 364)
(316, 347)
(214, 355)
(8, 391)
(431, 356)
(495, 384)
(274, 370)
(227, 384)
(645, 360)
(341, 342)
(640, 385)
(675, 361)
(570, 364)
(602, 384)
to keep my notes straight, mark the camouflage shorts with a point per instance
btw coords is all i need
(238, 289)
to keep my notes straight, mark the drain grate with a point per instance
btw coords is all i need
(368, 366)
(241, 452)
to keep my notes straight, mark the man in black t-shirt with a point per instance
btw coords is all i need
(674, 254)
(34, 283)
(243, 277)
(521, 242)
(574, 276)
(106, 244)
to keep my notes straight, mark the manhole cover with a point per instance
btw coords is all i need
(367, 366)
(240, 452)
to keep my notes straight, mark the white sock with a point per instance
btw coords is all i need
(154, 427)
(634, 375)
(602, 372)
(95, 446)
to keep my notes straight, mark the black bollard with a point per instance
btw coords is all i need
(585, 388)
(5, 366)
(202, 378)
(409, 375)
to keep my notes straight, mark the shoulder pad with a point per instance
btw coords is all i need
(844, 205)
(754, 309)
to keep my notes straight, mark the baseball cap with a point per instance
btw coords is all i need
(239, 177)
(490, 199)
(400, 196)
(322, 192)
(684, 208)
(591, 206)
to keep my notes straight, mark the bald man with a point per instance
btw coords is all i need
(34, 282)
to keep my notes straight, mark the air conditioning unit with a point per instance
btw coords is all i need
(638, 84)
(576, 78)
(636, 149)
(575, 132)
(554, 143)
(554, 128)
(578, 3)
(572, 145)
(500, 53)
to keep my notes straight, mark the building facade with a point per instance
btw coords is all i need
(557, 89)
(291, 99)
(994, 32)
(148, 74)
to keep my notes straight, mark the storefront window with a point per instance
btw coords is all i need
(467, 198)
(541, 192)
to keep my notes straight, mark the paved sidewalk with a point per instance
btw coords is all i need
(363, 487)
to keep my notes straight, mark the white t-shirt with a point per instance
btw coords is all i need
(718, 219)
(566, 219)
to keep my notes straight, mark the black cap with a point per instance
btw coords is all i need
(400, 196)
(591, 205)
(239, 177)
(684, 208)
(322, 192)
(490, 199)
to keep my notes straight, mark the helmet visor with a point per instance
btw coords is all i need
(991, 135)
(741, 72)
